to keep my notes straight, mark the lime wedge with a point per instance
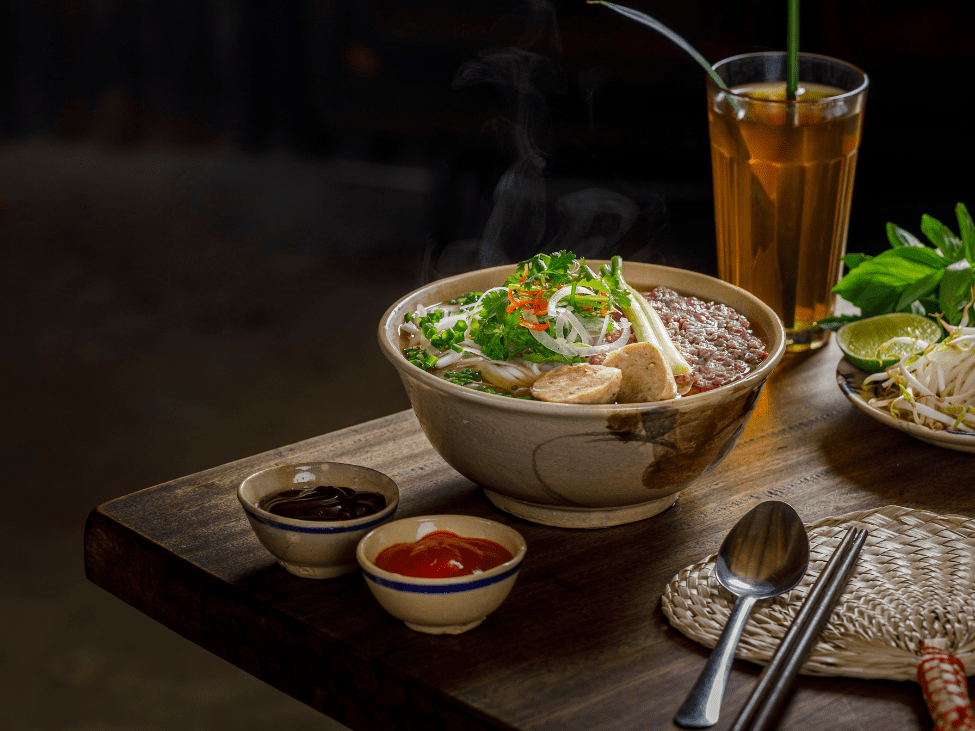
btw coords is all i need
(860, 341)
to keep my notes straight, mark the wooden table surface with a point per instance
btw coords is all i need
(581, 642)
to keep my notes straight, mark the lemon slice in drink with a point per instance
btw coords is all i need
(860, 341)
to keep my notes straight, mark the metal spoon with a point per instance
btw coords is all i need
(764, 555)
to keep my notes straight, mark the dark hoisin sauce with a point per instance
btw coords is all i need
(323, 502)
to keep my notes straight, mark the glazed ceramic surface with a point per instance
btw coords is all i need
(574, 465)
(314, 549)
(441, 606)
(850, 380)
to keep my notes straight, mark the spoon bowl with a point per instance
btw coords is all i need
(765, 554)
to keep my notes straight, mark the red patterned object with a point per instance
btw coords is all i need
(942, 679)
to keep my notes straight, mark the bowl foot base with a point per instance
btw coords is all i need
(568, 517)
(318, 572)
(448, 629)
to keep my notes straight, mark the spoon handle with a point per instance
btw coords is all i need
(703, 704)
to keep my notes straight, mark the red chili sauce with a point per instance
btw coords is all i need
(441, 555)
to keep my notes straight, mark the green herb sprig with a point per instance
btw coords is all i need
(912, 276)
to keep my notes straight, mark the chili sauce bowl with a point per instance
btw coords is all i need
(314, 549)
(579, 465)
(447, 605)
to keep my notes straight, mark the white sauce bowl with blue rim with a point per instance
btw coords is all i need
(314, 549)
(441, 606)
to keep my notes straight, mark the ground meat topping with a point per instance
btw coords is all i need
(716, 341)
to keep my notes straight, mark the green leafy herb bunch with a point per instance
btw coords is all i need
(930, 279)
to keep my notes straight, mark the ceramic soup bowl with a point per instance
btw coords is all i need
(583, 466)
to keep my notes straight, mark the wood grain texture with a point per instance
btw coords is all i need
(581, 643)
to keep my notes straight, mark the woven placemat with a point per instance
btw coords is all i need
(915, 580)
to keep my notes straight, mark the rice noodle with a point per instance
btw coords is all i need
(508, 374)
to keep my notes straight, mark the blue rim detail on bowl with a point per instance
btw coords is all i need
(442, 588)
(847, 384)
(323, 529)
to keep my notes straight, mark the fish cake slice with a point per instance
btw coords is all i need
(579, 384)
(646, 376)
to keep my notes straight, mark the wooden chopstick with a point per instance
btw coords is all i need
(776, 679)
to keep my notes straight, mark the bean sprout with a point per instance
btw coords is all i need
(935, 388)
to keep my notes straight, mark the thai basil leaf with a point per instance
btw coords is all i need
(925, 256)
(898, 237)
(967, 230)
(943, 239)
(919, 290)
(852, 261)
(912, 276)
(956, 290)
(875, 286)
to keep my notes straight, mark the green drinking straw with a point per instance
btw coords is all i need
(792, 53)
(661, 28)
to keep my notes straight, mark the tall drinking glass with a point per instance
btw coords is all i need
(783, 180)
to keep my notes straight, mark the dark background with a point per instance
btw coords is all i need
(206, 206)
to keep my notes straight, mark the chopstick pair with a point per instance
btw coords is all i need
(774, 682)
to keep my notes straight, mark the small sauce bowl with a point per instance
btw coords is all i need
(441, 606)
(314, 549)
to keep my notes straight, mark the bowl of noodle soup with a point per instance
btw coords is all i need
(581, 465)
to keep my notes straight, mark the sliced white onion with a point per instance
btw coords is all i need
(579, 331)
(449, 321)
(603, 330)
(605, 347)
(561, 346)
(562, 293)
(448, 358)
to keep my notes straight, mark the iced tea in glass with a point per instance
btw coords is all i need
(783, 180)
